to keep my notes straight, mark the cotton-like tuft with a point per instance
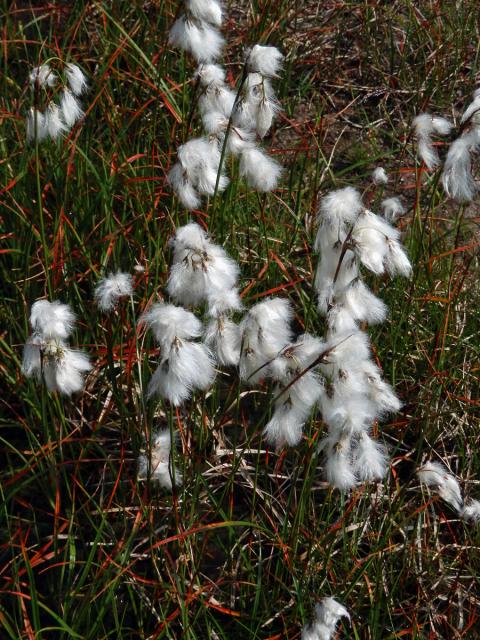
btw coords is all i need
(160, 464)
(379, 176)
(434, 475)
(52, 319)
(64, 369)
(206, 10)
(425, 125)
(184, 367)
(70, 108)
(370, 459)
(457, 176)
(201, 270)
(202, 41)
(110, 289)
(168, 322)
(222, 336)
(392, 209)
(53, 121)
(259, 170)
(36, 125)
(340, 208)
(43, 75)
(472, 108)
(338, 464)
(327, 615)
(265, 60)
(76, 79)
(471, 511)
(265, 330)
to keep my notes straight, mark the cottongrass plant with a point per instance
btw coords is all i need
(46, 353)
(232, 121)
(61, 95)
(436, 477)
(350, 237)
(457, 177)
(336, 374)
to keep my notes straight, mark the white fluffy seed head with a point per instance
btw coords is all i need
(425, 125)
(202, 41)
(284, 427)
(162, 469)
(205, 11)
(32, 359)
(186, 192)
(472, 108)
(338, 464)
(471, 511)
(36, 125)
(259, 170)
(76, 79)
(110, 289)
(53, 121)
(457, 176)
(169, 322)
(265, 330)
(340, 208)
(370, 459)
(65, 372)
(211, 74)
(435, 475)
(442, 126)
(223, 302)
(184, 367)
(70, 108)
(43, 76)
(265, 60)
(52, 320)
(200, 160)
(392, 209)
(201, 271)
(379, 176)
(222, 336)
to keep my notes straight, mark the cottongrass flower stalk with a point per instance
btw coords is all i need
(350, 237)
(111, 289)
(47, 355)
(159, 465)
(184, 365)
(57, 119)
(436, 477)
(328, 613)
(231, 122)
